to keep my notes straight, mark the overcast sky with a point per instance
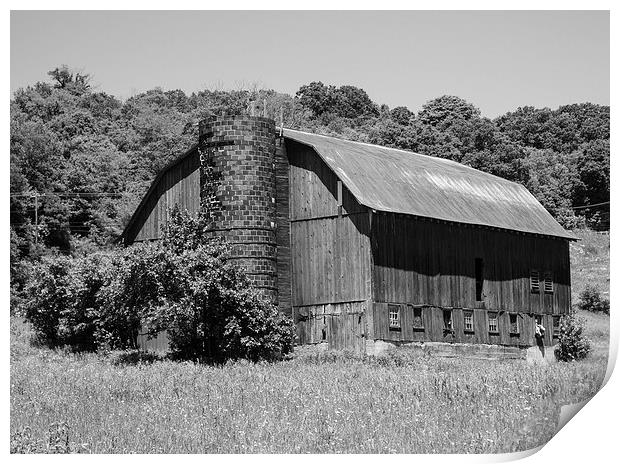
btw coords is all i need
(496, 60)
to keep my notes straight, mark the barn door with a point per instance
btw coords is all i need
(347, 331)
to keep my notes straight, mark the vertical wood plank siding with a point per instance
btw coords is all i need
(330, 255)
(283, 229)
(429, 263)
(180, 185)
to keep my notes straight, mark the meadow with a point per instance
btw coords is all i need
(402, 402)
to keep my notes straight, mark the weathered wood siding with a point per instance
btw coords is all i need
(341, 326)
(330, 260)
(330, 254)
(434, 329)
(283, 229)
(430, 263)
(180, 185)
(314, 186)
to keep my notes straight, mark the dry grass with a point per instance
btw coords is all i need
(68, 402)
(332, 403)
(589, 260)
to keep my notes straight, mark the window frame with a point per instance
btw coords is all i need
(470, 313)
(450, 328)
(517, 332)
(496, 318)
(394, 324)
(420, 327)
(556, 327)
(534, 281)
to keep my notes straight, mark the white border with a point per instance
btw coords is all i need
(590, 436)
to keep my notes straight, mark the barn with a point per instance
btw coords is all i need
(366, 245)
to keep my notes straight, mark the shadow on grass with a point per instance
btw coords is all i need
(133, 357)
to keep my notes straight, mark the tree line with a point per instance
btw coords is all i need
(81, 159)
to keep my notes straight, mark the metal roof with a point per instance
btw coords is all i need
(399, 181)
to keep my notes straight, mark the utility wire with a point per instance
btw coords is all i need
(590, 206)
(70, 194)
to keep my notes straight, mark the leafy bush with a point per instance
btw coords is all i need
(46, 296)
(183, 284)
(61, 299)
(207, 304)
(134, 286)
(572, 343)
(79, 319)
(590, 299)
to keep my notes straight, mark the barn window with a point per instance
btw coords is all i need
(479, 279)
(534, 281)
(514, 324)
(468, 321)
(394, 312)
(493, 327)
(418, 319)
(447, 319)
(556, 326)
(548, 282)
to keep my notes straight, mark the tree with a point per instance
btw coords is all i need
(352, 102)
(317, 97)
(66, 79)
(592, 164)
(552, 180)
(401, 115)
(441, 112)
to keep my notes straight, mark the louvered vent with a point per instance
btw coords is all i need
(534, 281)
(548, 282)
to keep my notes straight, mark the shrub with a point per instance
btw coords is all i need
(183, 284)
(46, 295)
(135, 284)
(207, 304)
(590, 299)
(81, 315)
(61, 299)
(572, 344)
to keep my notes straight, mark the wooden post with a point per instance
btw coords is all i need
(339, 198)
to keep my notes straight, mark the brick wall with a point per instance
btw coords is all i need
(242, 150)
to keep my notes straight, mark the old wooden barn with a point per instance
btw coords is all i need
(362, 243)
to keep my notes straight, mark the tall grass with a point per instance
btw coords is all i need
(330, 404)
(589, 259)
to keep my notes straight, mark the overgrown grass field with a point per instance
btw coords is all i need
(330, 403)
(589, 260)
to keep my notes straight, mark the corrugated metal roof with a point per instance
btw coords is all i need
(399, 181)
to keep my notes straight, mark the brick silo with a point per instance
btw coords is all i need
(241, 151)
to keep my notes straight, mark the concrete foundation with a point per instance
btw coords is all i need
(535, 354)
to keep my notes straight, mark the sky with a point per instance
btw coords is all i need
(498, 61)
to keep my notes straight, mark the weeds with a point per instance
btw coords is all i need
(328, 402)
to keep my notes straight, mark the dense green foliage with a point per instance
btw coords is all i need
(93, 156)
(590, 299)
(572, 342)
(183, 284)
